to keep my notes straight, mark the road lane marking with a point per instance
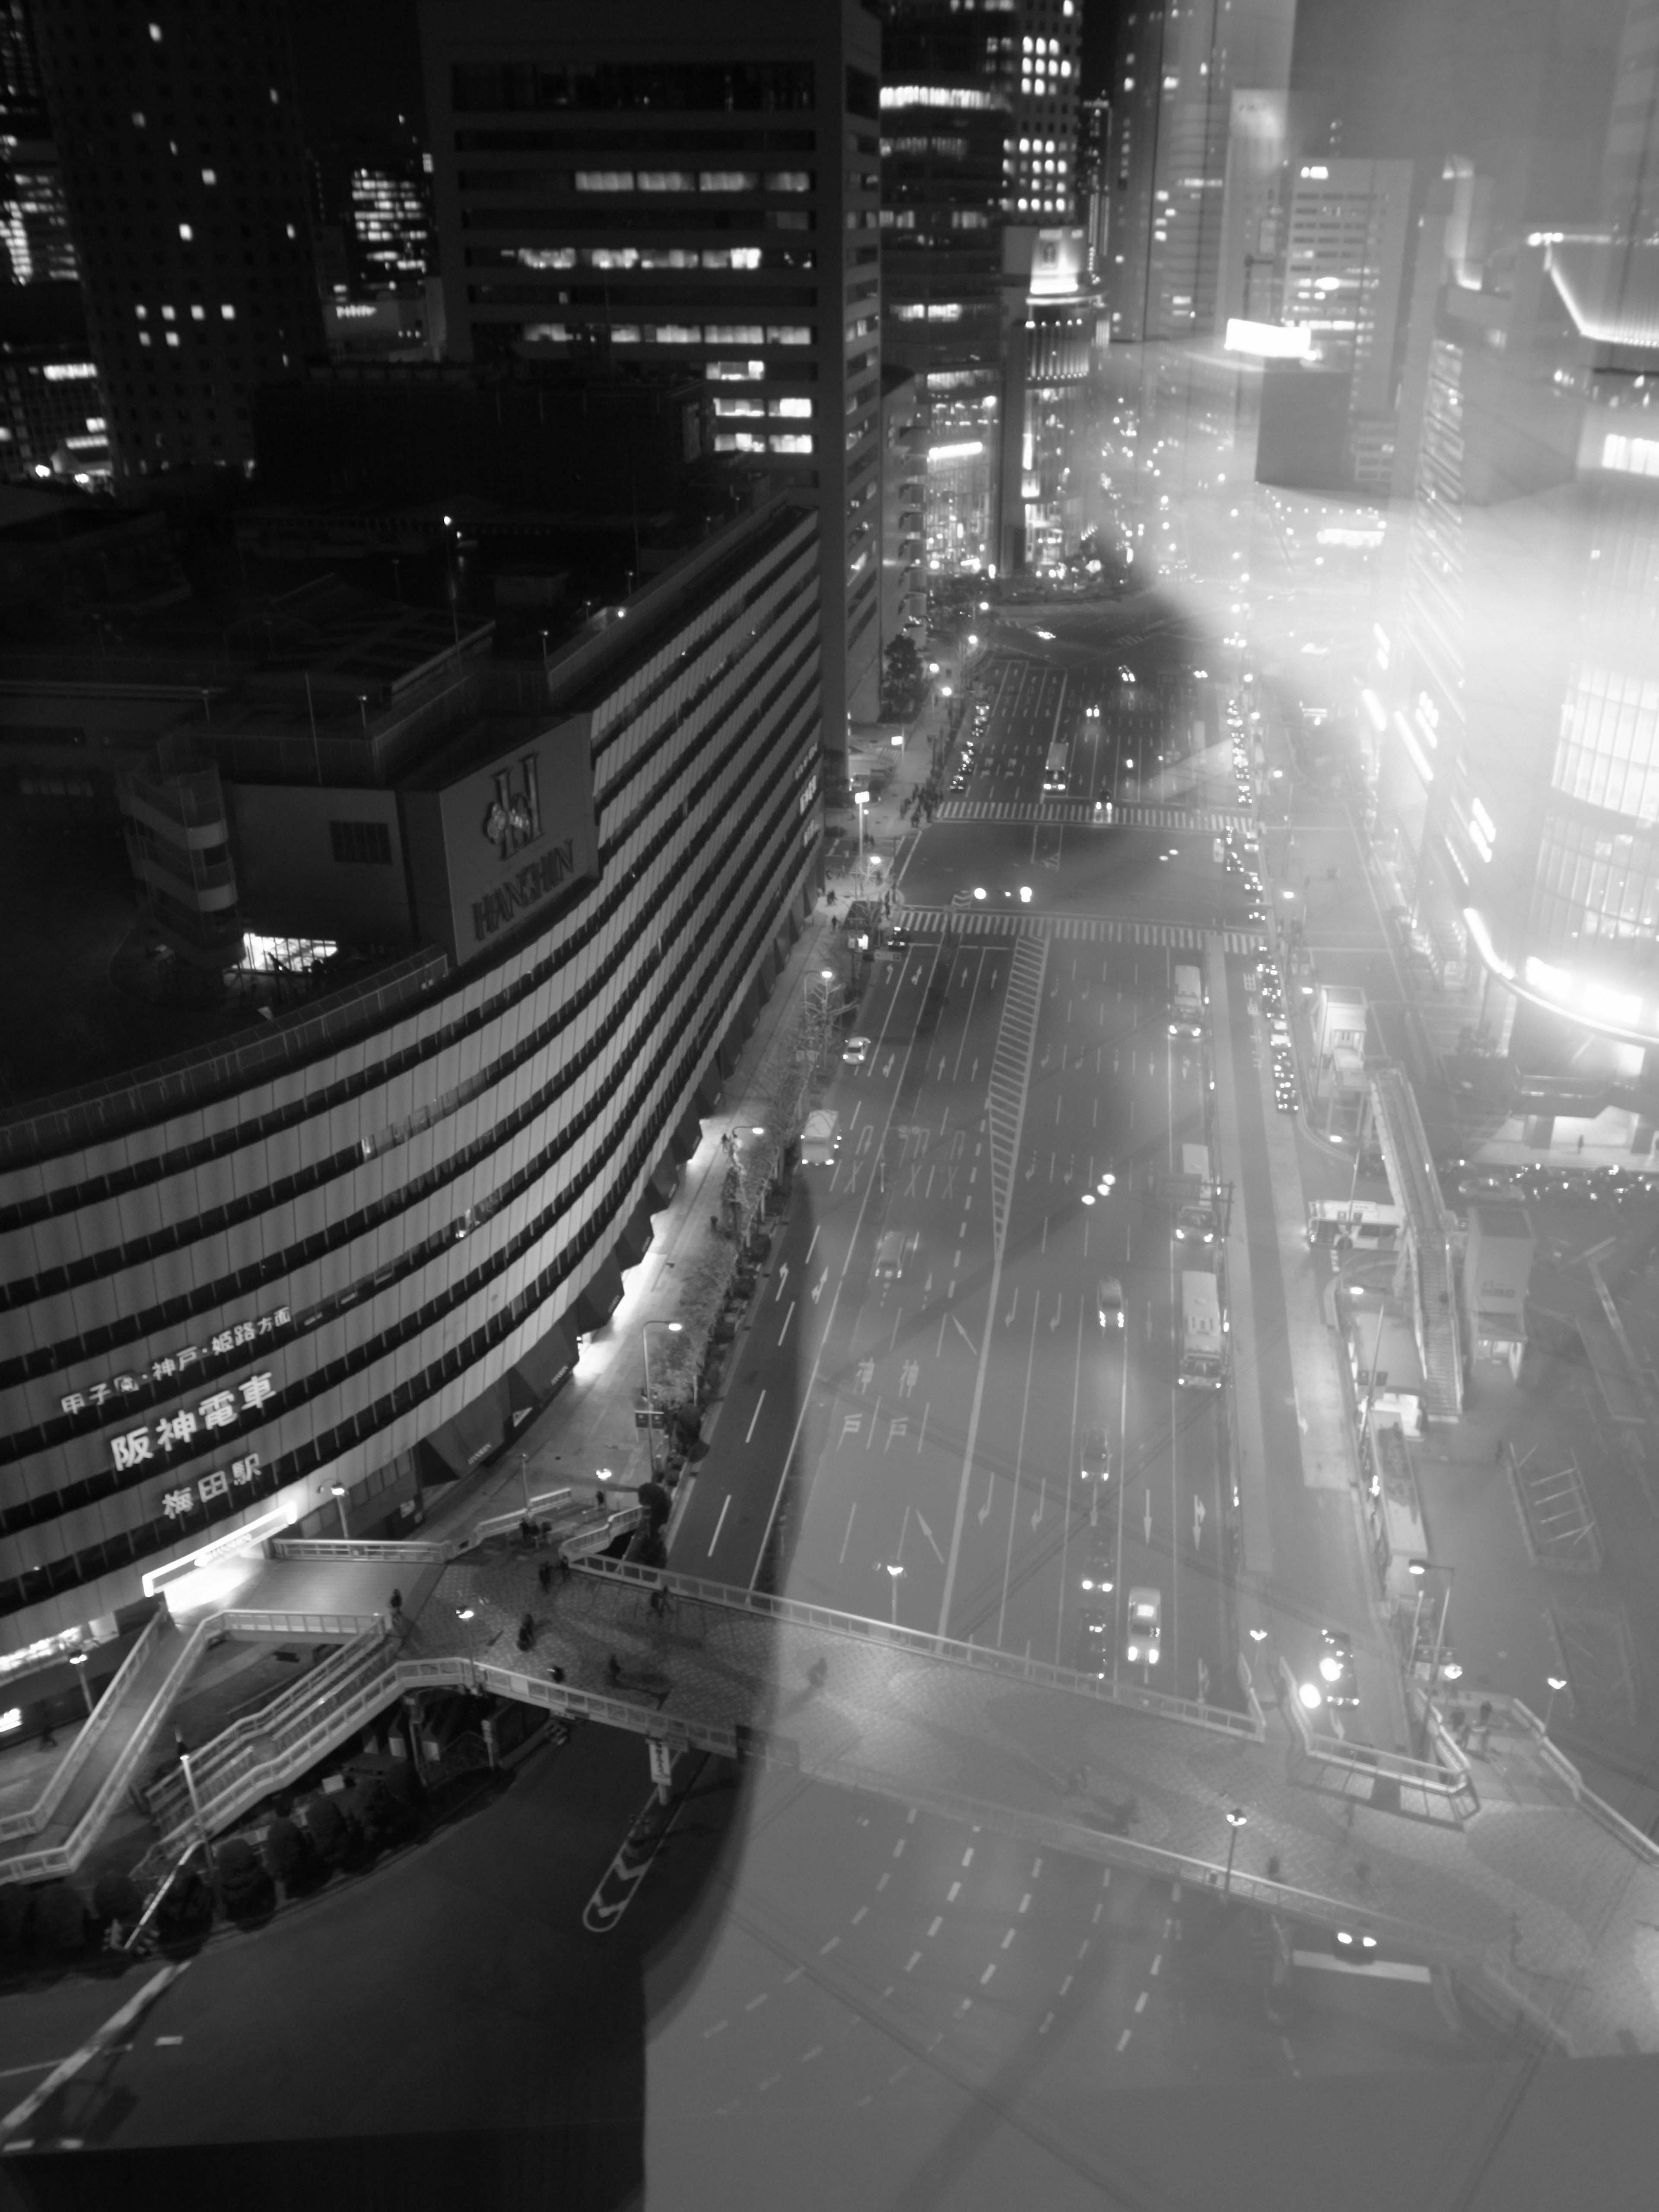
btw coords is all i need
(1140, 2001)
(824, 1949)
(755, 2003)
(953, 1892)
(787, 1318)
(1157, 1960)
(911, 1963)
(1123, 2040)
(748, 1434)
(938, 1923)
(725, 1509)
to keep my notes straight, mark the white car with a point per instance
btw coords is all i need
(1145, 1627)
(1110, 1301)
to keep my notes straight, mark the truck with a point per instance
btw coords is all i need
(1194, 1221)
(820, 1140)
(1057, 773)
(1203, 1358)
(1187, 1002)
(1360, 1224)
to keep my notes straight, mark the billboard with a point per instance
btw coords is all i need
(497, 845)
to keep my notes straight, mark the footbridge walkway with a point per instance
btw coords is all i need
(1540, 1897)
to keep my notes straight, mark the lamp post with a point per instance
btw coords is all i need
(861, 800)
(1557, 1683)
(464, 1613)
(339, 1488)
(524, 1477)
(673, 1329)
(1234, 1821)
(208, 1858)
(78, 1661)
(895, 1572)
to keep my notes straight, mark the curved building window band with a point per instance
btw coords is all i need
(32, 1512)
(131, 1545)
(25, 1443)
(93, 1267)
(68, 1198)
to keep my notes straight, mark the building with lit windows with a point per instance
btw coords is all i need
(351, 1250)
(612, 184)
(34, 226)
(1040, 159)
(184, 174)
(1050, 313)
(1516, 687)
(1177, 70)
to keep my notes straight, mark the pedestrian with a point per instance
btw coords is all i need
(613, 1669)
(396, 1603)
(564, 1568)
(1581, 1143)
(555, 1674)
(657, 1599)
(544, 1575)
(1497, 1452)
(817, 1674)
(599, 1498)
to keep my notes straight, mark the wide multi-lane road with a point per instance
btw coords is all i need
(930, 1373)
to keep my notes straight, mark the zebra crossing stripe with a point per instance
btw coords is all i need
(1088, 929)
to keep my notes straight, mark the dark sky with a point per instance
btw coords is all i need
(359, 64)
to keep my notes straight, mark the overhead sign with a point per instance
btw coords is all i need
(178, 1432)
(173, 1363)
(491, 845)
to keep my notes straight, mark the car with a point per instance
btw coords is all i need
(1093, 1638)
(1358, 1945)
(896, 940)
(1488, 1183)
(1095, 1459)
(1145, 1635)
(1109, 1302)
(856, 1050)
(1099, 1569)
(1186, 1027)
(1338, 1675)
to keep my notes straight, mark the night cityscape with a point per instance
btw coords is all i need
(828, 1175)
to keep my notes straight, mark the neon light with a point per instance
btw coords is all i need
(1419, 758)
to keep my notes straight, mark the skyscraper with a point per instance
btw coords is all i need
(34, 220)
(613, 185)
(184, 175)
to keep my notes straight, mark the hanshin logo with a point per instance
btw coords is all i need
(513, 818)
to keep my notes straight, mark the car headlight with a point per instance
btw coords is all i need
(1133, 1652)
(1152, 1654)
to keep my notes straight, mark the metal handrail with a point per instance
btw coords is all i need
(797, 1612)
(36, 1816)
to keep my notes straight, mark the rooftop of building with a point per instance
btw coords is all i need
(328, 675)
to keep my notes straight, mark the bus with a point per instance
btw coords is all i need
(1057, 774)
(1194, 1221)
(1357, 1221)
(1202, 1329)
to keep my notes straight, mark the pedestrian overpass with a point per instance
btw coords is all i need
(1428, 1274)
(1545, 1905)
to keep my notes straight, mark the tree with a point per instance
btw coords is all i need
(289, 1855)
(115, 1896)
(59, 1921)
(327, 1829)
(247, 1888)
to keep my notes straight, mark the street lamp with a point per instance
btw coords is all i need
(208, 1859)
(463, 1613)
(894, 1571)
(78, 1660)
(1557, 1684)
(861, 799)
(673, 1329)
(1234, 1821)
(338, 1489)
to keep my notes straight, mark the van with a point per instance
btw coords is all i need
(891, 1252)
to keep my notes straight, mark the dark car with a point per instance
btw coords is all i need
(1099, 1575)
(1095, 1459)
(1337, 1672)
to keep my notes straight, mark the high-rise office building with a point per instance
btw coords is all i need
(183, 173)
(34, 220)
(1177, 69)
(1040, 159)
(946, 114)
(614, 184)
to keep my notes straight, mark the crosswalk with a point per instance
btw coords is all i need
(1073, 928)
(1206, 823)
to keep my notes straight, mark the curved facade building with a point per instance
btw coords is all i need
(367, 1240)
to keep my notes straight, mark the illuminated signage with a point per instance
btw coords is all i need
(533, 881)
(175, 1503)
(171, 1363)
(514, 817)
(1268, 341)
(176, 1432)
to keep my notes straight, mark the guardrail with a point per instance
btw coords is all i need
(420, 1550)
(1567, 1774)
(499, 1524)
(313, 1694)
(30, 1822)
(1453, 1782)
(586, 1543)
(796, 1613)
